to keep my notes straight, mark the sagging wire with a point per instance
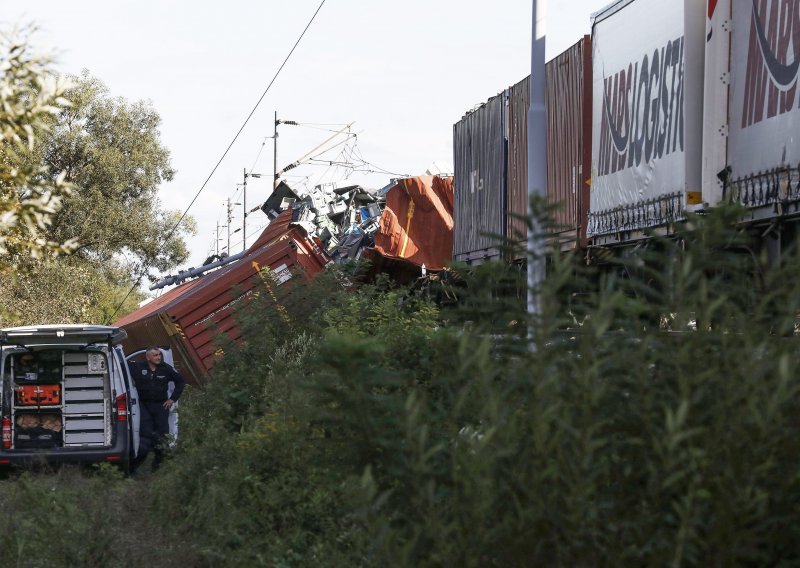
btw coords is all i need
(255, 162)
(300, 161)
(321, 124)
(357, 151)
(236, 244)
(306, 125)
(354, 164)
(325, 173)
(145, 267)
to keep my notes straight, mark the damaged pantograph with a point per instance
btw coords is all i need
(406, 227)
(344, 218)
(409, 221)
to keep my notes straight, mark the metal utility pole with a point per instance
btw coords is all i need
(537, 156)
(229, 226)
(216, 245)
(275, 154)
(275, 173)
(244, 211)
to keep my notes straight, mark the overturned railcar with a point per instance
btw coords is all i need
(194, 316)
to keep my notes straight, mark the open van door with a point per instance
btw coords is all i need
(133, 398)
(166, 357)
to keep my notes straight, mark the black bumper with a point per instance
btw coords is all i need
(117, 453)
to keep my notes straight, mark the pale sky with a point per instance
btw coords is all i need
(404, 72)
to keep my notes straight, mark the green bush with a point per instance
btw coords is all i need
(250, 482)
(653, 424)
(82, 517)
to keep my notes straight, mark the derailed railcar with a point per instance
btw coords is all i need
(647, 126)
(192, 317)
(416, 227)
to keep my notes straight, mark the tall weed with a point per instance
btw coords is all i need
(647, 416)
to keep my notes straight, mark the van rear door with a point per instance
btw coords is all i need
(133, 398)
(46, 335)
(166, 353)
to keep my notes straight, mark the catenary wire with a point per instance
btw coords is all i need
(321, 123)
(319, 128)
(144, 268)
(357, 152)
(264, 143)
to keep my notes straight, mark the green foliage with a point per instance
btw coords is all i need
(258, 491)
(69, 289)
(109, 152)
(72, 517)
(29, 197)
(653, 424)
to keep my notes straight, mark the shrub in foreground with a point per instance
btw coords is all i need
(654, 424)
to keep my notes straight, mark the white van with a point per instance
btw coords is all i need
(66, 395)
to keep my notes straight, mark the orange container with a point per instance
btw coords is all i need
(190, 317)
(38, 395)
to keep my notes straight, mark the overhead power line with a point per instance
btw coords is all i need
(311, 127)
(320, 124)
(145, 267)
(259, 152)
(299, 161)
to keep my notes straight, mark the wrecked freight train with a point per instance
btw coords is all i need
(402, 228)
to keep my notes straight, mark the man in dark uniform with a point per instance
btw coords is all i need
(152, 378)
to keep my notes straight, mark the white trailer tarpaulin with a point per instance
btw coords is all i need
(647, 107)
(764, 111)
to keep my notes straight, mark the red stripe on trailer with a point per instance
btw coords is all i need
(712, 6)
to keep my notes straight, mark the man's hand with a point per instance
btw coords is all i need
(168, 403)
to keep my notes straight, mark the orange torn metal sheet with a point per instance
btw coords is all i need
(417, 223)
